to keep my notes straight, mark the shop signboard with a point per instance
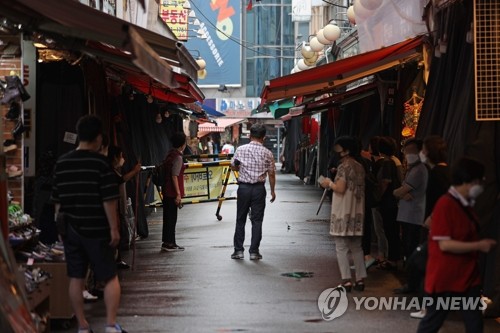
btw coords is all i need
(173, 13)
(237, 107)
(218, 23)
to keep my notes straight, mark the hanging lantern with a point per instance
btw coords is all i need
(331, 32)
(292, 71)
(296, 69)
(360, 11)
(321, 37)
(302, 65)
(307, 52)
(407, 132)
(201, 63)
(371, 4)
(350, 15)
(311, 61)
(202, 74)
(316, 45)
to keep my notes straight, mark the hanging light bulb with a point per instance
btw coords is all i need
(331, 32)
(350, 15)
(201, 63)
(202, 74)
(316, 45)
(306, 51)
(321, 37)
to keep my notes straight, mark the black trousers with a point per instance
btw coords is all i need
(434, 318)
(366, 241)
(410, 237)
(389, 211)
(250, 197)
(169, 220)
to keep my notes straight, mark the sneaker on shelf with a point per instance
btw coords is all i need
(114, 329)
(418, 315)
(171, 247)
(255, 256)
(14, 171)
(237, 255)
(87, 296)
(9, 145)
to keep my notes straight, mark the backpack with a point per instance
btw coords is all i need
(158, 175)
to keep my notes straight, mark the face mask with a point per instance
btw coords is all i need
(412, 158)
(422, 156)
(475, 191)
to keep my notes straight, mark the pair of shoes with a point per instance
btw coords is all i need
(359, 285)
(114, 329)
(387, 266)
(171, 247)
(122, 265)
(347, 285)
(85, 330)
(255, 256)
(88, 296)
(403, 290)
(237, 255)
(418, 315)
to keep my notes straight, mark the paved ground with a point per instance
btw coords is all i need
(203, 290)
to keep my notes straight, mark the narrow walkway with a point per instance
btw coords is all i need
(203, 290)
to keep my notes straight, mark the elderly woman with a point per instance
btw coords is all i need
(347, 215)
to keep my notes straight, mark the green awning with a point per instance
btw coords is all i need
(281, 108)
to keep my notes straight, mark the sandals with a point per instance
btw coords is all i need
(359, 286)
(347, 284)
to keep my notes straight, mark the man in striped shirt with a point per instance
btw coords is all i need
(254, 162)
(86, 192)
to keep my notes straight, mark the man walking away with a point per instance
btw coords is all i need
(254, 162)
(86, 192)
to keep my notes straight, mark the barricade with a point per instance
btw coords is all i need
(203, 181)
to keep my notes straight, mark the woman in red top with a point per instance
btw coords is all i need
(454, 245)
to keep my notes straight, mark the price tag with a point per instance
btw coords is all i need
(30, 261)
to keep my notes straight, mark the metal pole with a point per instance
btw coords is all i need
(279, 143)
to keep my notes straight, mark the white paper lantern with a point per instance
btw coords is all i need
(350, 15)
(307, 52)
(311, 61)
(331, 32)
(296, 69)
(322, 39)
(202, 74)
(360, 11)
(302, 65)
(292, 71)
(371, 4)
(316, 45)
(201, 63)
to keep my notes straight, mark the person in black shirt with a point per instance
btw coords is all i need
(86, 192)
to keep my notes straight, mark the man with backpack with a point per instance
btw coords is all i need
(173, 191)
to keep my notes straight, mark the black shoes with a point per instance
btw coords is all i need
(171, 247)
(122, 265)
(237, 255)
(255, 256)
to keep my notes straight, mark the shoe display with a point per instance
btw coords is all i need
(18, 130)
(237, 255)
(114, 329)
(418, 315)
(255, 256)
(14, 171)
(9, 145)
(14, 111)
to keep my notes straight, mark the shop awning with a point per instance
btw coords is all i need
(146, 60)
(211, 111)
(220, 126)
(73, 19)
(339, 73)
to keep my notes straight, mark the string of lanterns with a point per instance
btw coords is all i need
(331, 32)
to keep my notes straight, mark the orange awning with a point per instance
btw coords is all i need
(339, 73)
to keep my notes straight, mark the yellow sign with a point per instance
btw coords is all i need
(205, 183)
(173, 13)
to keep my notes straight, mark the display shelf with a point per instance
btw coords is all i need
(39, 295)
(60, 304)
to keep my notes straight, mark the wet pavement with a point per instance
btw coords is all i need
(202, 290)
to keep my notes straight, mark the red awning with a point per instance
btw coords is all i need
(221, 125)
(339, 73)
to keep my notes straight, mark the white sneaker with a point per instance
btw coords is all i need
(88, 296)
(418, 315)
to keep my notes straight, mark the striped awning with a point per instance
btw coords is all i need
(220, 125)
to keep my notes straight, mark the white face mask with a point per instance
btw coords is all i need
(422, 156)
(475, 191)
(412, 158)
